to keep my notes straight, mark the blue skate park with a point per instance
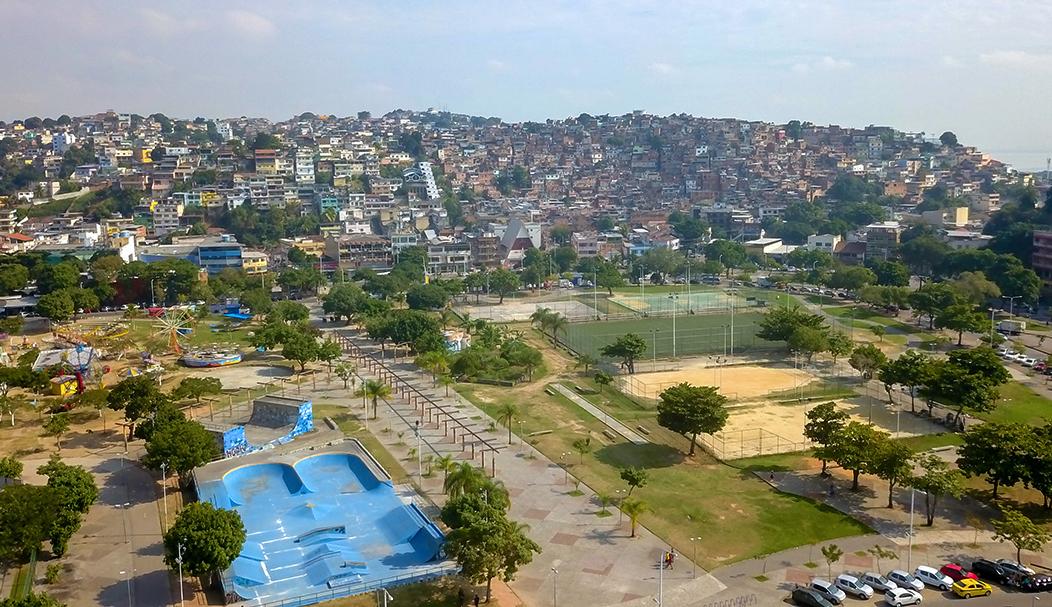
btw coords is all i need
(321, 523)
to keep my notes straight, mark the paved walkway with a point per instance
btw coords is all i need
(599, 414)
(116, 558)
(591, 560)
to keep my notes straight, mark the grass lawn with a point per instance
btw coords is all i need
(440, 593)
(695, 334)
(347, 420)
(864, 318)
(146, 329)
(932, 441)
(1021, 404)
(738, 515)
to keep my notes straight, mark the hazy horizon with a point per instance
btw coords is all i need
(911, 67)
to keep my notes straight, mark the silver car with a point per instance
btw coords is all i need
(877, 582)
(828, 591)
(904, 579)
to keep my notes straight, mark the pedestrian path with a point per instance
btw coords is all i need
(585, 559)
(599, 414)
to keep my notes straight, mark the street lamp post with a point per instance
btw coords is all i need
(555, 588)
(909, 555)
(694, 558)
(179, 561)
(164, 492)
(620, 493)
(661, 578)
(1011, 303)
(387, 596)
(419, 458)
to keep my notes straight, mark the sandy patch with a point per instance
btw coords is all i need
(737, 382)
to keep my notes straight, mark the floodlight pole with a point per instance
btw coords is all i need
(672, 297)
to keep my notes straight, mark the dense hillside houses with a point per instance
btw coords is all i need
(479, 192)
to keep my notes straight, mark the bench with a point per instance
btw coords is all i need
(549, 391)
(610, 435)
(538, 433)
(643, 430)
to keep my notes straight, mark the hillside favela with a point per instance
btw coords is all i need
(463, 326)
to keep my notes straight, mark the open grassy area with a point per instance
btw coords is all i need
(695, 334)
(143, 330)
(932, 441)
(441, 593)
(1020, 404)
(738, 515)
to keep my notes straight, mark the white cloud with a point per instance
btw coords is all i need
(951, 61)
(826, 63)
(1017, 59)
(250, 23)
(496, 65)
(664, 69)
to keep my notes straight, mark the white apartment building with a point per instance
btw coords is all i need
(166, 217)
(304, 166)
(61, 142)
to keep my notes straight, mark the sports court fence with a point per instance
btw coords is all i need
(749, 442)
(697, 335)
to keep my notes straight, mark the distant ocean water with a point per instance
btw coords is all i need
(1029, 161)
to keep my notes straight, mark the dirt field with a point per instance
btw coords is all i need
(734, 382)
(518, 311)
(764, 428)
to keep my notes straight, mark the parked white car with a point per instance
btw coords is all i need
(1028, 361)
(902, 596)
(931, 577)
(877, 582)
(904, 579)
(855, 587)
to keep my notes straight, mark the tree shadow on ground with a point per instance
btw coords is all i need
(650, 455)
(119, 594)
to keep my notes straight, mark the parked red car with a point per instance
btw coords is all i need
(956, 572)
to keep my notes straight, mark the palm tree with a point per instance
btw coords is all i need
(446, 317)
(434, 362)
(540, 317)
(446, 381)
(506, 415)
(634, 508)
(462, 478)
(466, 322)
(444, 463)
(375, 390)
(557, 323)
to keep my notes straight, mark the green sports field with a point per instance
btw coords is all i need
(696, 334)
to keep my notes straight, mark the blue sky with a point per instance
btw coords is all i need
(981, 69)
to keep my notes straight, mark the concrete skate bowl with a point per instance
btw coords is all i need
(323, 527)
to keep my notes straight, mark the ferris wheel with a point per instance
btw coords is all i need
(174, 325)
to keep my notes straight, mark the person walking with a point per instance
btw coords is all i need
(476, 600)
